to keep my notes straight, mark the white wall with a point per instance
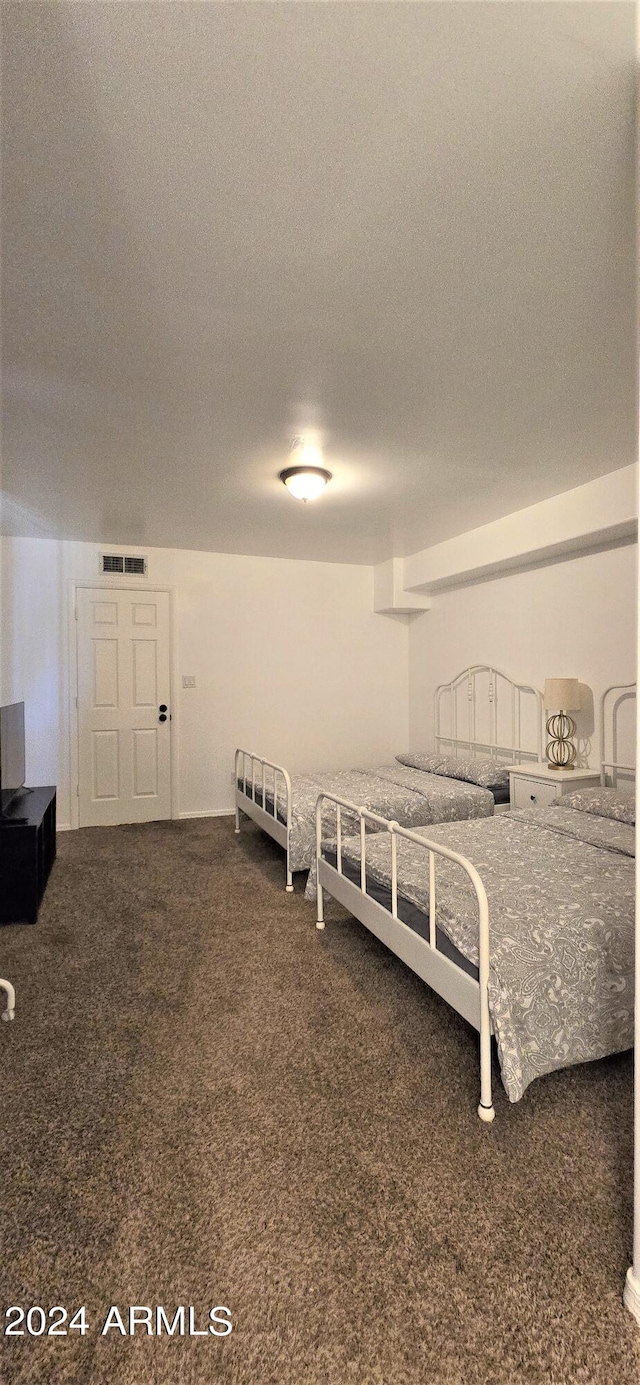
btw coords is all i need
(599, 512)
(575, 618)
(289, 659)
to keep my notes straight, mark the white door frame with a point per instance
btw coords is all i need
(118, 585)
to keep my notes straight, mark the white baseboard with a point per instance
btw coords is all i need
(205, 813)
(631, 1296)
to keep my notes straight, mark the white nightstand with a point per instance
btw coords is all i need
(535, 785)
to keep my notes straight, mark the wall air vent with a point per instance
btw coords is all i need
(137, 565)
(111, 563)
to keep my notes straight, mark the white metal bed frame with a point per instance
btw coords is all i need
(246, 800)
(499, 684)
(623, 691)
(466, 995)
(9, 1011)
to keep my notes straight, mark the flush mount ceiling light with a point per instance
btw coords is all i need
(306, 480)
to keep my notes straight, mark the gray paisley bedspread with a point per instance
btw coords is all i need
(560, 886)
(409, 796)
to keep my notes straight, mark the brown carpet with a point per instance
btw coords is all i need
(206, 1102)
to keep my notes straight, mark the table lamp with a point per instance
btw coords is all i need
(561, 696)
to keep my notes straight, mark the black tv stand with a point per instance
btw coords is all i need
(27, 853)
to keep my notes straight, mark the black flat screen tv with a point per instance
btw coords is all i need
(12, 756)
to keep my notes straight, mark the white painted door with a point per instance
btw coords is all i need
(124, 727)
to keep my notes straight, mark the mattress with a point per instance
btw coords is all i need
(411, 797)
(408, 913)
(500, 795)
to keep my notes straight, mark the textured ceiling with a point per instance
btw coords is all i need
(409, 226)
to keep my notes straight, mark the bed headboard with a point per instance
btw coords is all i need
(483, 712)
(611, 703)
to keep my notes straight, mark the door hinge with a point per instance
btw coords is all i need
(75, 612)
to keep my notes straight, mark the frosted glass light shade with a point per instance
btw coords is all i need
(562, 694)
(305, 482)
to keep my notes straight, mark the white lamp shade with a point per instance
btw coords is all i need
(562, 694)
(306, 485)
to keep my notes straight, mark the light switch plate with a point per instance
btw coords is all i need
(188, 680)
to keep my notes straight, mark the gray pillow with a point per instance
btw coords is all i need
(426, 760)
(487, 773)
(619, 804)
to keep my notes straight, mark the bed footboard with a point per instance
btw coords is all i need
(466, 995)
(10, 1008)
(253, 797)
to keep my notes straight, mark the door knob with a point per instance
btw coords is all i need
(162, 717)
